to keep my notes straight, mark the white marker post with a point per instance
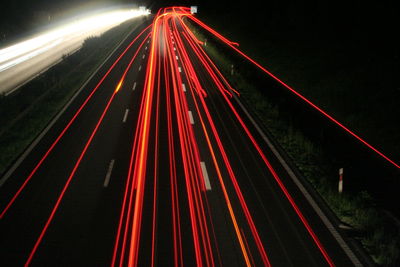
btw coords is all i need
(193, 9)
(340, 180)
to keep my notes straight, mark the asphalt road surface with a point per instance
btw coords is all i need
(156, 164)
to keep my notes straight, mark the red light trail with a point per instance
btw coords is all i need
(178, 154)
(68, 126)
(54, 210)
(232, 45)
(167, 49)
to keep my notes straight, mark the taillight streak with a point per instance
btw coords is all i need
(193, 174)
(77, 163)
(128, 194)
(278, 180)
(228, 166)
(21, 188)
(177, 240)
(229, 43)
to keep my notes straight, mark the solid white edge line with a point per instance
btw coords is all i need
(125, 115)
(303, 190)
(134, 86)
(109, 171)
(43, 133)
(205, 176)
(191, 117)
(183, 87)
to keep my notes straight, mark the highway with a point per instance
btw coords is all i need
(156, 163)
(21, 62)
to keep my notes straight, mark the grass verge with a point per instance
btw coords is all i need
(378, 233)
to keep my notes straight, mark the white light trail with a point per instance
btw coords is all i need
(64, 39)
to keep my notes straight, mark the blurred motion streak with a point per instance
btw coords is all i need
(31, 56)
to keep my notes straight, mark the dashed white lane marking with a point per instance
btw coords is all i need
(145, 48)
(134, 86)
(140, 67)
(143, 56)
(177, 57)
(191, 117)
(180, 69)
(109, 171)
(205, 176)
(304, 191)
(125, 115)
(174, 48)
(183, 87)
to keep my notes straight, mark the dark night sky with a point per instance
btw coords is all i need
(341, 17)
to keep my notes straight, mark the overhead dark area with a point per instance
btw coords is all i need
(333, 19)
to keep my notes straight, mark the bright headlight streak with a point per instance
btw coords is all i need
(94, 25)
(30, 55)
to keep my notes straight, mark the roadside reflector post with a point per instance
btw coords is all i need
(340, 180)
(193, 9)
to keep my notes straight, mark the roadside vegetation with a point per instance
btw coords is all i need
(25, 113)
(375, 229)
